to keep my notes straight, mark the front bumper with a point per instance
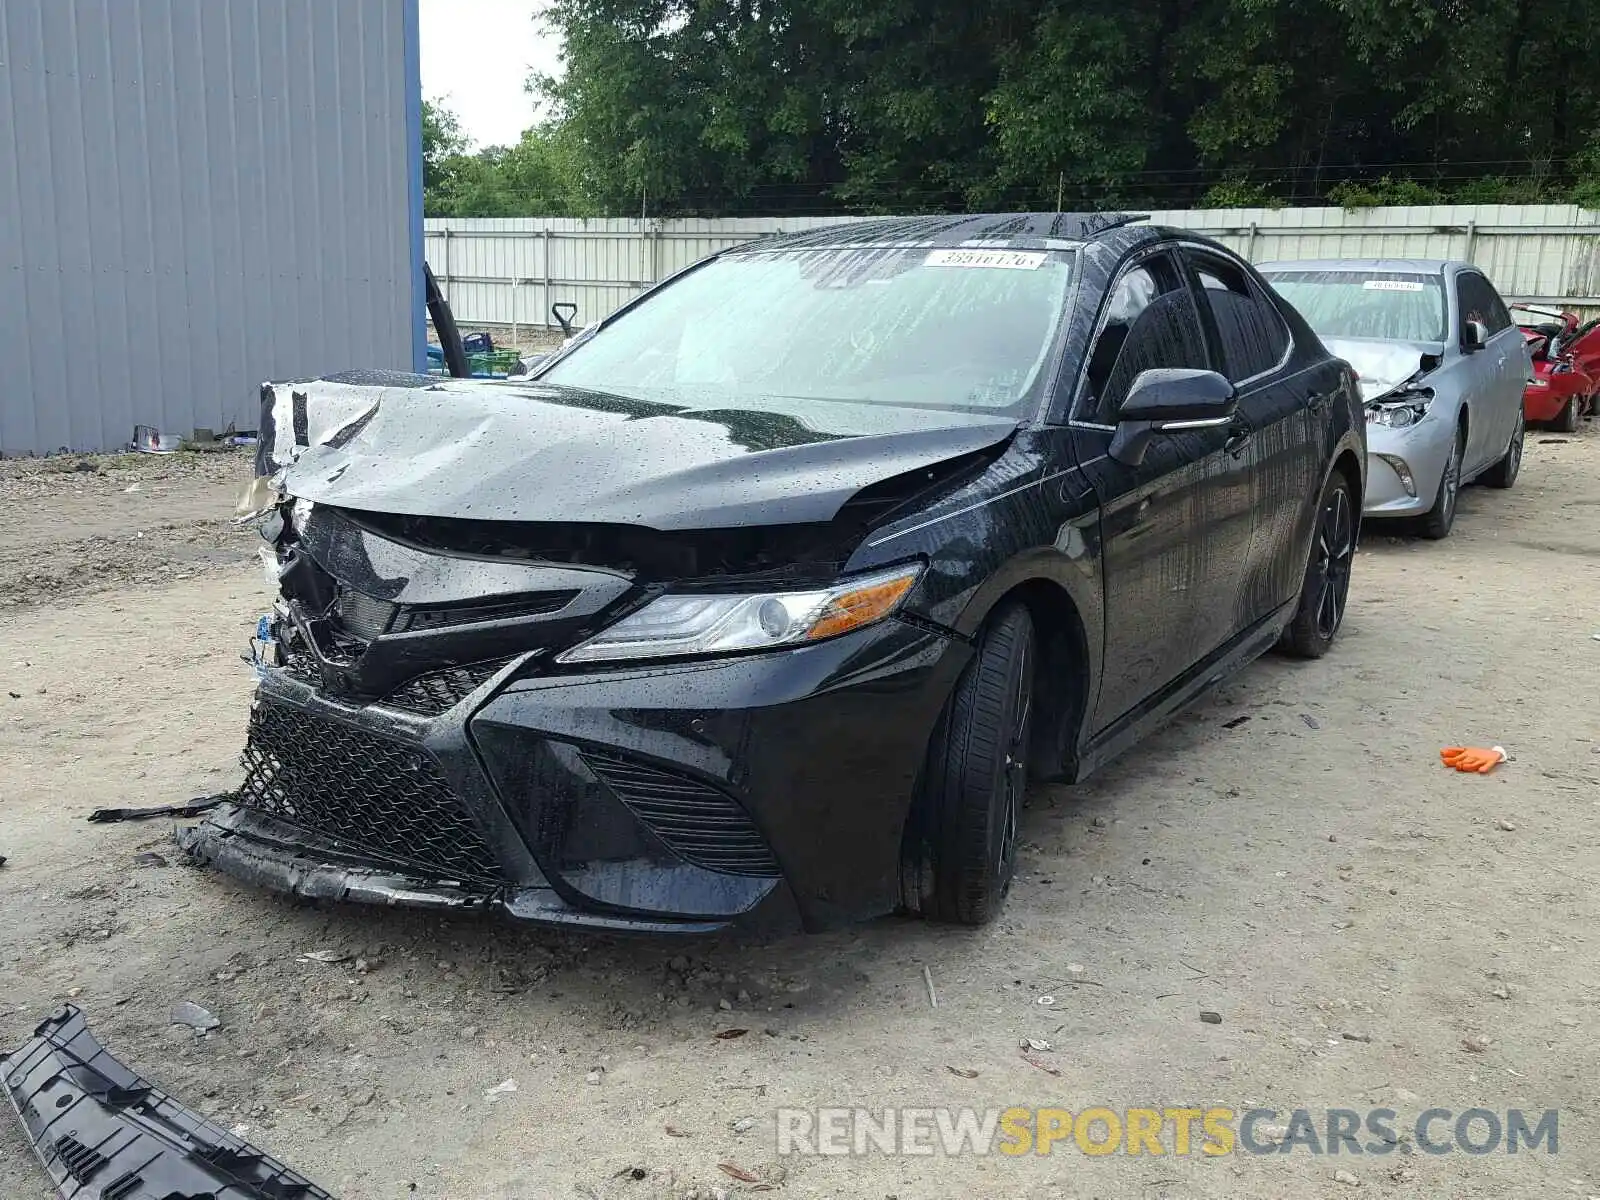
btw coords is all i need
(765, 790)
(1418, 452)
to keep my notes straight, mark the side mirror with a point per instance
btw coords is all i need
(1170, 400)
(1474, 336)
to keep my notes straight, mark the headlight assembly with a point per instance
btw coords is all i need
(685, 625)
(1399, 411)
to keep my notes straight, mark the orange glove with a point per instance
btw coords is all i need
(1473, 758)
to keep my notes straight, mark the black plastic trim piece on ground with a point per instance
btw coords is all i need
(195, 808)
(103, 1133)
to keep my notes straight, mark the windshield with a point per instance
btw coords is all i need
(961, 329)
(1391, 305)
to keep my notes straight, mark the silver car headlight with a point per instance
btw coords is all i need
(676, 626)
(1399, 412)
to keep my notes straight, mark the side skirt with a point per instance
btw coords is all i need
(1228, 659)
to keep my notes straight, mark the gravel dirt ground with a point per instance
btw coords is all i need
(1289, 854)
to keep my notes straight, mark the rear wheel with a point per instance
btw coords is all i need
(1567, 419)
(1327, 583)
(1504, 473)
(975, 774)
(1442, 515)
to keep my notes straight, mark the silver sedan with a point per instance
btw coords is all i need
(1442, 371)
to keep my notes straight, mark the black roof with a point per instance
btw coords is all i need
(1014, 230)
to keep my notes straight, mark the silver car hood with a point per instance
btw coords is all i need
(1382, 365)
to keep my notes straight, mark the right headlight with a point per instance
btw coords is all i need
(1399, 411)
(676, 626)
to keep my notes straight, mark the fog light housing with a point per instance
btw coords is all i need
(1400, 468)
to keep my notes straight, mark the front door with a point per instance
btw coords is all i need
(1498, 372)
(1173, 541)
(1285, 416)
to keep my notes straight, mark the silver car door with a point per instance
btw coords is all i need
(1484, 371)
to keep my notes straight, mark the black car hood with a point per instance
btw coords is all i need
(536, 452)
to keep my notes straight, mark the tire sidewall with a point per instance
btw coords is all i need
(977, 795)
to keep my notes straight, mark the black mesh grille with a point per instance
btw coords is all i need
(431, 694)
(703, 825)
(384, 798)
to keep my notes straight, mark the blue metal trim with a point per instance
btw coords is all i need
(419, 300)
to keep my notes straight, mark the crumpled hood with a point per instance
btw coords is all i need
(535, 452)
(1382, 365)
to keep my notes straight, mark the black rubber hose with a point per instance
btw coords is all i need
(444, 324)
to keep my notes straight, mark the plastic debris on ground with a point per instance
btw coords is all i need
(100, 1130)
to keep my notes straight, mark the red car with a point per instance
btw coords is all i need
(1566, 365)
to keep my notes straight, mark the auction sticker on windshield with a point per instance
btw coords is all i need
(1392, 285)
(1013, 260)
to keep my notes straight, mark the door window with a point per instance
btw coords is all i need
(1250, 328)
(1480, 302)
(1150, 322)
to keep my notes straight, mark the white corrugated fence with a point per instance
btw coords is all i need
(509, 271)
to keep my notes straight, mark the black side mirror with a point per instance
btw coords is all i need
(563, 311)
(1170, 400)
(1474, 336)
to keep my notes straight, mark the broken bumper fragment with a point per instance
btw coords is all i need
(103, 1133)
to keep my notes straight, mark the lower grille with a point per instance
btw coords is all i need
(431, 694)
(703, 825)
(384, 798)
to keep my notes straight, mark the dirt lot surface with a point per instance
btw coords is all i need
(1289, 855)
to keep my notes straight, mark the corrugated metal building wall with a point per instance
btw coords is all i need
(195, 196)
(505, 271)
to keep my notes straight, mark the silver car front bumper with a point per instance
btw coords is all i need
(1404, 466)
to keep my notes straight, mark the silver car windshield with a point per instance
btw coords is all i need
(966, 329)
(1391, 305)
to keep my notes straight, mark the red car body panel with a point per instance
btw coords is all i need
(1573, 371)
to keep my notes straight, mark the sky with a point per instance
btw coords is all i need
(476, 55)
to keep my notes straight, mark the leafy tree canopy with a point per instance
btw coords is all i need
(808, 106)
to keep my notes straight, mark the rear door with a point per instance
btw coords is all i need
(1173, 558)
(1283, 416)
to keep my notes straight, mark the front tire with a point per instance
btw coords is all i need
(1437, 524)
(1326, 587)
(1504, 473)
(976, 772)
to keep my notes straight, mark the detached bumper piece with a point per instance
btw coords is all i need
(103, 1133)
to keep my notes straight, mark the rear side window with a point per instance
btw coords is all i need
(1252, 332)
(1480, 302)
(1150, 321)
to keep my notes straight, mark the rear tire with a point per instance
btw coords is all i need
(1437, 523)
(1326, 587)
(975, 774)
(1504, 473)
(1567, 419)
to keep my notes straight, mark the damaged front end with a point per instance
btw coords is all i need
(438, 721)
(102, 1131)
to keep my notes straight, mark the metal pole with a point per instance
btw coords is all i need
(514, 341)
(1472, 239)
(1250, 247)
(544, 313)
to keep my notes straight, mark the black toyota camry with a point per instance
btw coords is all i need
(766, 597)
